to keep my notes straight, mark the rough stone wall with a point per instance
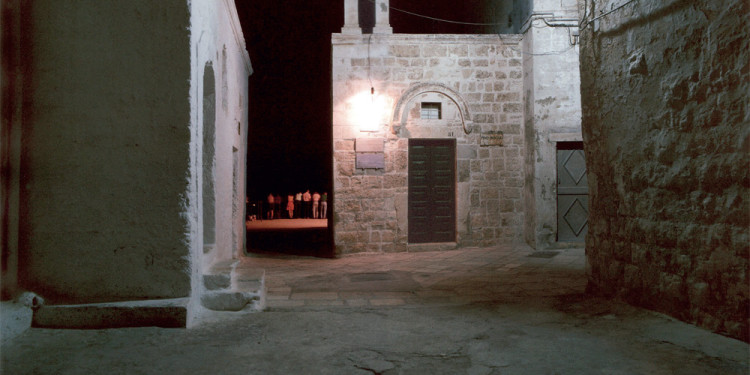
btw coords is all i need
(105, 151)
(665, 126)
(484, 73)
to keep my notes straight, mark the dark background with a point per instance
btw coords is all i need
(290, 106)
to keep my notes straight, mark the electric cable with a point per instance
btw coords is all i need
(603, 14)
(550, 53)
(369, 65)
(442, 19)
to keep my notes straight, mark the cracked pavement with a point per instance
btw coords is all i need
(480, 311)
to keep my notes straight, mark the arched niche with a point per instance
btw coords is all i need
(209, 158)
(400, 113)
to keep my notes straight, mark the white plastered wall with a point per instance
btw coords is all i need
(216, 39)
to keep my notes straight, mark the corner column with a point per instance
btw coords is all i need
(351, 18)
(382, 18)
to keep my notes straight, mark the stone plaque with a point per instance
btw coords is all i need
(370, 160)
(490, 139)
(369, 145)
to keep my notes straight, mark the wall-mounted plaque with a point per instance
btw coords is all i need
(370, 160)
(369, 145)
(490, 139)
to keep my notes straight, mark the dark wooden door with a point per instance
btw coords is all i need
(432, 190)
(572, 193)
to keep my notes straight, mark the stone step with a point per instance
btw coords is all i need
(246, 292)
(231, 301)
(219, 276)
(167, 313)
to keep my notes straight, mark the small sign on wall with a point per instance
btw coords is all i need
(491, 138)
(369, 145)
(370, 160)
(370, 153)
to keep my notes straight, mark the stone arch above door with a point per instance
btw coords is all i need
(400, 113)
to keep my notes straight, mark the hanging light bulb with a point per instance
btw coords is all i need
(370, 115)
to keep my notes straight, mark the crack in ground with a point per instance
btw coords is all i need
(369, 369)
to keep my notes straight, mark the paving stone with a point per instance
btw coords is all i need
(387, 302)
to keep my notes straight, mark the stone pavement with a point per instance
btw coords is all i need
(473, 311)
(422, 278)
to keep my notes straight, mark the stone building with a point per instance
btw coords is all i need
(445, 141)
(666, 130)
(123, 151)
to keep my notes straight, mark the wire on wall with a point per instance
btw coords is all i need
(442, 19)
(585, 23)
(369, 64)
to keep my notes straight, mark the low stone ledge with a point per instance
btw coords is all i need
(166, 313)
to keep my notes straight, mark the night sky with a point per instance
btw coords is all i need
(289, 41)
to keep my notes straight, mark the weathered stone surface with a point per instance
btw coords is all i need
(227, 301)
(217, 281)
(666, 146)
(405, 50)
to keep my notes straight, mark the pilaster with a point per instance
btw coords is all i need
(351, 18)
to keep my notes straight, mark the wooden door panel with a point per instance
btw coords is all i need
(432, 193)
(572, 193)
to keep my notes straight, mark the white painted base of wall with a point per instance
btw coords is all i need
(14, 320)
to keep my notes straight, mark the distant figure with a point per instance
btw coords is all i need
(323, 205)
(306, 204)
(316, 200)
(277, 206)
(269, 213)
(290, 205)
(298, 205)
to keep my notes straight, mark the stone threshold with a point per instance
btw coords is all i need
(433, 246)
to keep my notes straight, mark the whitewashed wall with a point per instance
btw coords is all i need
(216, 39)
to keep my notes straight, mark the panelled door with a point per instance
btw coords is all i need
(572, 193)
(432, 190)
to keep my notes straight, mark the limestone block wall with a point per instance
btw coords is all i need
(665, 126)
(105, 151)
(475, 77)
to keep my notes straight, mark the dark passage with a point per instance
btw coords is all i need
(290, 140)
(299, 241)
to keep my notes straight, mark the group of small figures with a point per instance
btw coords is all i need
(300, 205)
